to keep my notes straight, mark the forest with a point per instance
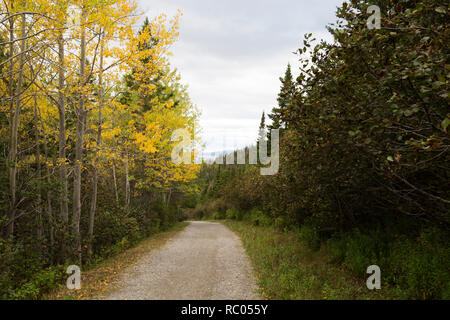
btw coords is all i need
(364, 153)
(88, 105)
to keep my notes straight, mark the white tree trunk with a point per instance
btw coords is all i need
(99, 142)
(81, 114)
(127, 184)
(15, 122)
(115, 182)
(64, 207)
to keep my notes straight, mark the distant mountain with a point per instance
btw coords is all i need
(211, 156)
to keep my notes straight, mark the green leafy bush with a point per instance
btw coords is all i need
(218, 216)
(231, 213)
(240, 215)
(422, 265)
(40, 283)
(115, 227)
(309, 234)
(258, 218)
(418, 268)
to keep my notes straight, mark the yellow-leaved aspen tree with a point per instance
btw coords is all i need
(63, 200)
(80, 129)
(64, 210)
(99, 141)
(116, 191)
(127, 182)
(48, 175)
(15, 109)
(39, 232)
(11, 213)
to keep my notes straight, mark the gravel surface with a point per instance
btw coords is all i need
(204, 261)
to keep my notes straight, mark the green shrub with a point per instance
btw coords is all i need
(282, 223)
(199, 212)
(422, 266)
(418, 268)
(218, 216)
(258, 218)
(240, 215)
(215, 209)
(217, 205)
(310, 236)
(115, 228)
(40, 283)
(357, 250)
(19, 263)
(231, 213)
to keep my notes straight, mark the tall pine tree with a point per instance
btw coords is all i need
(278, 115)
(262, 128)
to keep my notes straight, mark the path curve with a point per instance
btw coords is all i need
(205, 261)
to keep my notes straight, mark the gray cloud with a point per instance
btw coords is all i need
(231, 54)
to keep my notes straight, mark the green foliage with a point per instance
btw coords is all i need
(231, 213)
(211, 209)
(115, 227)
(309, 235)
(20, 264)
(217, 216)
(41, 282)
(356, 250)
(419, 268)
(287, 269)
(365, 141)
(285, 98)
(258, 218)
(422, 266)
(239, 215)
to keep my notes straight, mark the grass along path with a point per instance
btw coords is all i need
(104, 277)
(286, 269)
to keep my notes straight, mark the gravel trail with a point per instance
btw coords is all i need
(205, 261)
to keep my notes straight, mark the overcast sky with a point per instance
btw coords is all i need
(231, 54)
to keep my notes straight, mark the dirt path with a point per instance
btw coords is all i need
(204, 261)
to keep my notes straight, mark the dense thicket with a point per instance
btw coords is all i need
(364, 153)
